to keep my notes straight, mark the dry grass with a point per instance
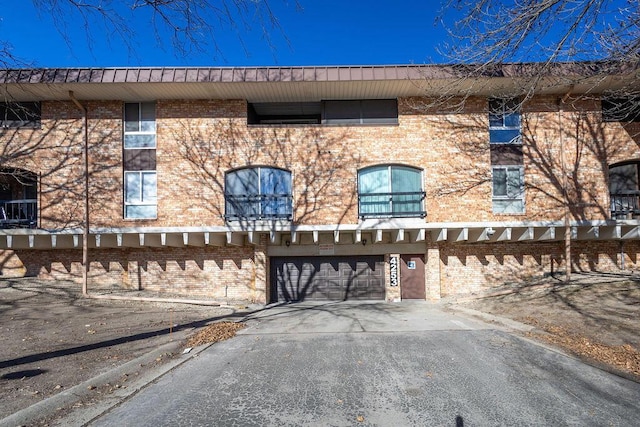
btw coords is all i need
(623, 357)
(215, 332)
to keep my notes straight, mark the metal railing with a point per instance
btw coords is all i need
(267, 206)
(400, 204)
(19, 213)
(625, 205)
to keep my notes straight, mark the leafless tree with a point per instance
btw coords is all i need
(186, 26)
(494, 31)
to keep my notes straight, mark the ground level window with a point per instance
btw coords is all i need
(508, 189)
(141, 197)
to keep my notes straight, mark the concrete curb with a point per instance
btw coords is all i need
(490, 318)
(79, 417)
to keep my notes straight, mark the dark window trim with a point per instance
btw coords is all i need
(391, 213)
(320, 119)
(259, 199)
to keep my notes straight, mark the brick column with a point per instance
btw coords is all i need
(432, 273)
(260, 265)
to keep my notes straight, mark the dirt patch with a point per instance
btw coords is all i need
(595, 317)
(53, 338)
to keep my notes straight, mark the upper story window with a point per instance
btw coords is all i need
(141, 195)
(284, 113)
(20, 114)
(621, 109)
(504, 121)
(624, 190)
(258, 193)
(365, 111)
(18, 198)
(508, 189)
(139, 125)
(390, 191)
(356, 112)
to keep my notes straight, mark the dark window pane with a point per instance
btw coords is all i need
(279, 113)
(132, 117)
(148, 117)
(20, 114)
(621, 109)
(341, 112)
(379, 111)
(623, 178)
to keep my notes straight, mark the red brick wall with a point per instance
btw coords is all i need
(198, 141)
(226, 274)
(473, 268)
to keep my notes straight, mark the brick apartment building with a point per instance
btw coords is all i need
(289, 183)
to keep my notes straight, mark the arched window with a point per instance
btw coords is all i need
(624, 190)
(390, 191)
(258, 193)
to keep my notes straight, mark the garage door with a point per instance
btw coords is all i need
(327, 278)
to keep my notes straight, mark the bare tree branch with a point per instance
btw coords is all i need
(184, 26)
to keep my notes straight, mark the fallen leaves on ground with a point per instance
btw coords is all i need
(624, 357)
(215, 332)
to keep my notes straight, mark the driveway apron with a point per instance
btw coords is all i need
(384, 364)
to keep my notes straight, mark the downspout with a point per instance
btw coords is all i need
(85, 230)
(565, 197)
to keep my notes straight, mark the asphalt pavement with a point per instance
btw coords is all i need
(383, 364)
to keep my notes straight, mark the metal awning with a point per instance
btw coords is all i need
(294, 84)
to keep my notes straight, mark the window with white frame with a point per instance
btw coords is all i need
(141, 195)
(390, 191)
(508, 189)
(504, 121)
(140, 125)
(139, 161)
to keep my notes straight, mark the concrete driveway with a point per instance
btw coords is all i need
(384, 364)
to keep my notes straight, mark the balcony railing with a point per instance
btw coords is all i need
(625, 205)
(400, 204)
(256, 207)
(18, 213)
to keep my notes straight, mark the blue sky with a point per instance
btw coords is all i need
(328, 32)
(323, 32)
